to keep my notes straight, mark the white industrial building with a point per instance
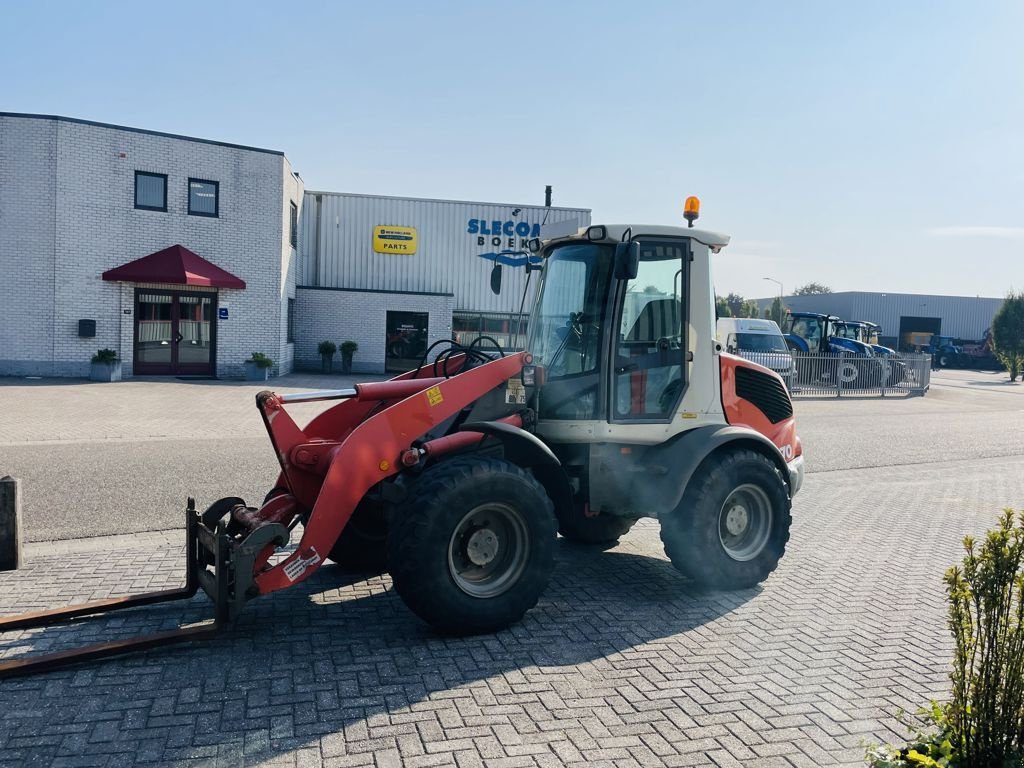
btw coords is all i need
(178, 253)
(186, 255)
(396, 274)
(900, 314)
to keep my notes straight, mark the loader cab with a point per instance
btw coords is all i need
(612, 330)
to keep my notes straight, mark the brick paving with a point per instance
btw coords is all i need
(621, 664)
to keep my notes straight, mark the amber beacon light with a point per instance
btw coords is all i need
(691, 209)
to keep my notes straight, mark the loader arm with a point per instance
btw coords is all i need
(371, 452)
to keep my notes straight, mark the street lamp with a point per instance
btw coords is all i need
(772, 279)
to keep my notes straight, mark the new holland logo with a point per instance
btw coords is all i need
(400, 240)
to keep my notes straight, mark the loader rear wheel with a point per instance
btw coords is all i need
(601, 530)
(361, 547)
(731, 527)
(472, 548)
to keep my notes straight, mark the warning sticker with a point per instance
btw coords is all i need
(434, 396)
(515, 392)
(300, 565)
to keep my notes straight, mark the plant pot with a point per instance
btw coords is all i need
(105, 371)
(254, 372)
(346, 362)
(326, 363)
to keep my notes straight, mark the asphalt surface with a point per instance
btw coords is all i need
(98, 461)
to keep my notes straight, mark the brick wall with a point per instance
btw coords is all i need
(27, 196)
(92, 226)
(338, 315)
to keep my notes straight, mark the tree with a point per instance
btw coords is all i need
(776, 312)
(722, 307)
(735, 302)
(1008, 333)
(748, 308)
(812, 289)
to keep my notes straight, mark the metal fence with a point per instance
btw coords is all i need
(840, 375)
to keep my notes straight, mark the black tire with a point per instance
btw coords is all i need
(601, 530)
(362, 545)
(468, 508)
(695, 534)
(944, 359)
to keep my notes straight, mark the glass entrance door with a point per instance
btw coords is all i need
(174, 333)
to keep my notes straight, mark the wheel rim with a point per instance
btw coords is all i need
(488, 550)
(745, 522)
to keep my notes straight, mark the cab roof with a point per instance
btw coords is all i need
(614, 233)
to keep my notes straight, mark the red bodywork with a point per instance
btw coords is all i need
(740, 412)
(328, 466)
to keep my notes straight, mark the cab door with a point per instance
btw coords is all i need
(649, 356)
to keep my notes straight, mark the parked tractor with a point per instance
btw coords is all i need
(944, 351)
(893, 369)
(812, 334)
(457, 476)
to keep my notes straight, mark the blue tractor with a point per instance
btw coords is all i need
(894, 370)
(816, 334)
(945, 353)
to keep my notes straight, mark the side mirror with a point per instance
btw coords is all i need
(627, 260)
(496, 279)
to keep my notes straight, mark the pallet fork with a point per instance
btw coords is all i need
(327, 468)
(213, 561)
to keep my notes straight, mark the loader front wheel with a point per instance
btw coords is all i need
(731, 528)
(472, 548)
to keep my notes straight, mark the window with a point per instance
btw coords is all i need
(651, 347)
(150, 191)
(291, 320)
(293, 225)
(203, 198)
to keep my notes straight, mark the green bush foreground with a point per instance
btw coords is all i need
(982, 726)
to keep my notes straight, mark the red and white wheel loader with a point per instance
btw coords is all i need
(458, 476)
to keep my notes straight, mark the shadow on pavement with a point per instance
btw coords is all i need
(326, 655)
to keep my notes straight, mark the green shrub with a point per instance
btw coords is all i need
(348, 347)
(261, 360)
(986, 616)
(983, 724)
(326, 348)
(105, 356)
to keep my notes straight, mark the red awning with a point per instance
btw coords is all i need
(176, 265)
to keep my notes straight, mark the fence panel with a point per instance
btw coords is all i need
(839, 375)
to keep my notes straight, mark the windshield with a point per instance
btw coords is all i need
(807, 328)
(759, 342)
(565, 328)
(850, 331)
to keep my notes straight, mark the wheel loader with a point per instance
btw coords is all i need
(458, 476)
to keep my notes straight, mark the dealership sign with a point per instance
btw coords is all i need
(394, 240)
(502, 234)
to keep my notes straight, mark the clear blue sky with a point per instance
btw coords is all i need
(875, 145)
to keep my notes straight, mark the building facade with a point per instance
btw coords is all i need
(186, 256)
(178, 253)
(396, 274)
(966, 318)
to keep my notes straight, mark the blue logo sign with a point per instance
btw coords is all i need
(222, 313)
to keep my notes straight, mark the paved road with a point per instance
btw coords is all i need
(622, 663)
(108, 459)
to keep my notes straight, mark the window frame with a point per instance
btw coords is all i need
(290, 321)
(293, 224)
(216, 198)
(135, 196)
(611, 360)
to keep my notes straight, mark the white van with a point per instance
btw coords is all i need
(760, 341)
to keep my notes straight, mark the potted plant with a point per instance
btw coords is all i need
(326, 350)
(347, 348)
(257, 367)
(105, 366)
